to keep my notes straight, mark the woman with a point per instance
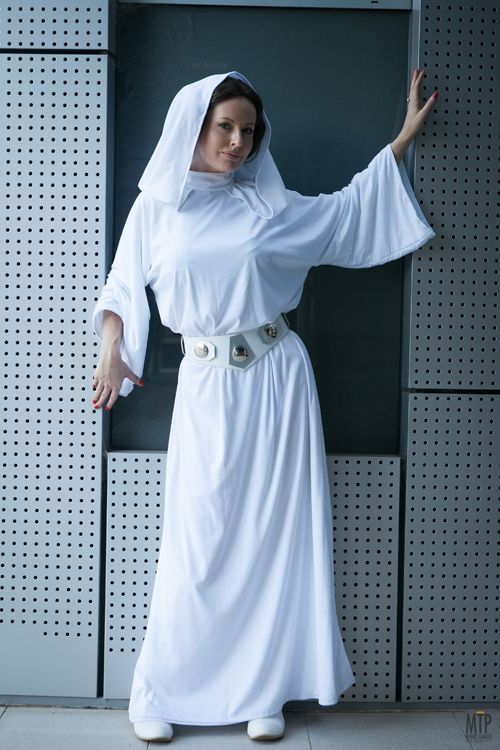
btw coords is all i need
(242, 617)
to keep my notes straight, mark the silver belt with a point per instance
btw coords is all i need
(235, 350)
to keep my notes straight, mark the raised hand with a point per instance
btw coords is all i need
(416, 114)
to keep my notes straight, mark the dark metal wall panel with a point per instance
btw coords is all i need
(56, 24)
(451, 591)
(365, 497)
(53, 147)
(453, 297)
(449, 431)
(365, 507)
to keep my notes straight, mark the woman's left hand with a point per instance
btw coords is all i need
(415, 116)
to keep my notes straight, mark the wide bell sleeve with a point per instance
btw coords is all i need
(124, 292)
(376, 218)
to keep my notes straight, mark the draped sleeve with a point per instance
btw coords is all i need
(124, 292)
(376, 218)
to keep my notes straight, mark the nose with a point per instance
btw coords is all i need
(236, 138)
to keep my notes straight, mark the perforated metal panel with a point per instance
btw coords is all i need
(56, 24)
(454, 279)
(365, 497)
(134, 525)
(451, 593)
(53, 134)
(365, 494)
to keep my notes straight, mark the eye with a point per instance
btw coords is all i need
(248, 131)
(224, 125)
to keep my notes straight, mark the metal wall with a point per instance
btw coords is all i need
(451, 581)
(416, 565)
(55, 76)
(451, 405)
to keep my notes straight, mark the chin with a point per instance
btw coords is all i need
(224, 165)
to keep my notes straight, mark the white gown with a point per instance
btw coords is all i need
(242, 617)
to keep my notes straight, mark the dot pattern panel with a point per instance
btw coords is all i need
(451, 593)
(454, 280)
(135, 503)
(364, 495)
(53, 133)
(65, 24)
(365, 507)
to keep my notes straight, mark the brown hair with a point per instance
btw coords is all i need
(234, 87)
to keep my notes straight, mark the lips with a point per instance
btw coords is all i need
(232, 156)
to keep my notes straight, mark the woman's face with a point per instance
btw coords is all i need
(227, 137)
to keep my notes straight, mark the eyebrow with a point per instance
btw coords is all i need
(222, 117)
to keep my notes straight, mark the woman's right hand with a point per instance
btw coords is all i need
(111, 369)
(108, 378)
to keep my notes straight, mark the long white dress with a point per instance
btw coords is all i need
(242, 617)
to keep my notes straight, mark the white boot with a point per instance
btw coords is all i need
(267, 728)
(153, 730)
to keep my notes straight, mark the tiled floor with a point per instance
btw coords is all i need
(51, 728)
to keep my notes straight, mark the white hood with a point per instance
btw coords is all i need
(258, 181)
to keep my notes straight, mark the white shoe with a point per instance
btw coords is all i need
(267, 728)
(153, 730)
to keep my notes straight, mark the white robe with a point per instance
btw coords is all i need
(242, 617)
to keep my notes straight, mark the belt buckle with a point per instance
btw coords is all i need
(204, 349)
(241, 354)
(269, 332)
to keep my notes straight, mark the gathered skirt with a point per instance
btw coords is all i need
(242, 615)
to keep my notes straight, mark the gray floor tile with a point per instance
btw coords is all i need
(234, 736)
(49, 728)
(388, 730)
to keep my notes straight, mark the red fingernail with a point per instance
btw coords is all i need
(108, 408)
(141, 382)
(96, 407)
(435, 94)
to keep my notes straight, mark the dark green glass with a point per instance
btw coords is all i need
(334, 87)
